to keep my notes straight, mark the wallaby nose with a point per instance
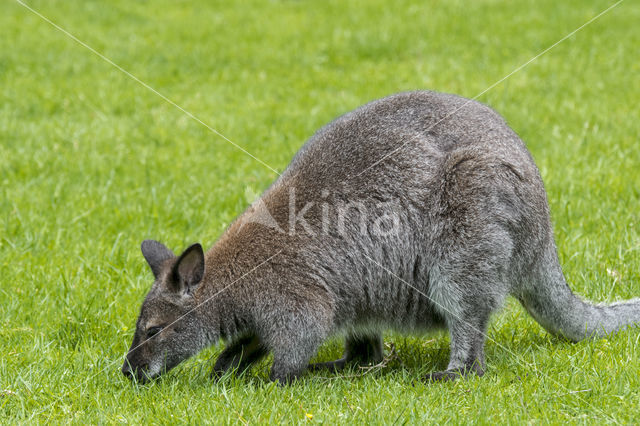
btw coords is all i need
(126, 370)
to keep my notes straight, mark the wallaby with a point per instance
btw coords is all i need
(417, 211)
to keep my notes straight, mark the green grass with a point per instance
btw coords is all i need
(92, 163)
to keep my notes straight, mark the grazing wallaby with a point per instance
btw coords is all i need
(416, 211)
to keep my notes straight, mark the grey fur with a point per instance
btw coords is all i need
(472, 226)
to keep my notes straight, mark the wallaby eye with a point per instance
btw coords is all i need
(153, 331)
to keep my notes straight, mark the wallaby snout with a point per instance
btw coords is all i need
(126, 370)
(139, 374)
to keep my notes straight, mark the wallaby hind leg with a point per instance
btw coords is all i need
(359, 349)
(466, 300)
(467, 346)
(239, 355)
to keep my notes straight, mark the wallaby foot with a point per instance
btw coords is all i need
(452, 374)
(361, 350)
(467, 346)
(239, 356)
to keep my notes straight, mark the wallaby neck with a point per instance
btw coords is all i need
(225, 289)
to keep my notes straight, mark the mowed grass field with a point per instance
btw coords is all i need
(92, 163)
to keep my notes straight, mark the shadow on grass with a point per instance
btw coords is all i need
(408, 358)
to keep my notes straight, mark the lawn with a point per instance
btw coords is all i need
(92, 162)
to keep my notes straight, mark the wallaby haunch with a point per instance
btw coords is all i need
(416, 211)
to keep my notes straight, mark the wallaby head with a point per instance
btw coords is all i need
(169, 327)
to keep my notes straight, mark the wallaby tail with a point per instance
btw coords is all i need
(548, 298)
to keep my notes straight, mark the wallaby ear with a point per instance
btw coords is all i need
(189, 269)
(155, 253)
